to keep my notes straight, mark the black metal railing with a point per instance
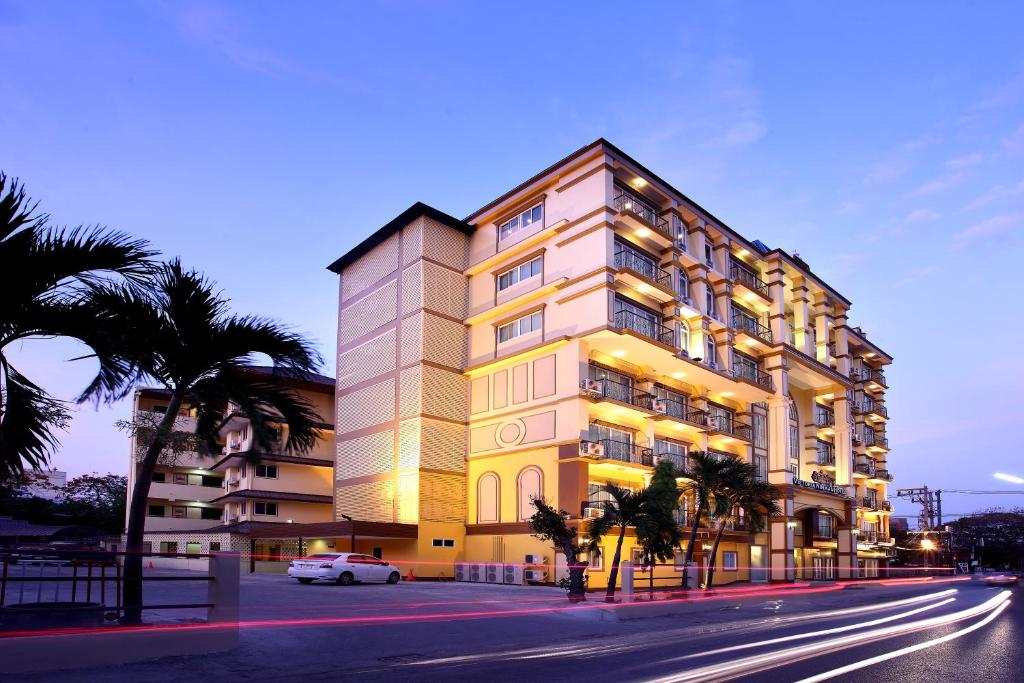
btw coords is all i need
(625, 451)
(875, 407)
(864, 468)
(754, 374)
(627, 202)
(869, 437)
(731, 426)
(618, 391)
(885, 506)
(632, 260)
(643, 325)
(678, 409)
(868, 374)
(869, 502)
(746, 277)
(747, 323)
(825, 456)
(824, 417)
(883, 474)
(677, 459)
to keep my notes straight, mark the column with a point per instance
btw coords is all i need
(777, 291)
(802, 338)
(846, 553)
(781, 542)
(842, 343)
(843, 440)
(821, 325)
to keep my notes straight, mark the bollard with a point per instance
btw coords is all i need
(626, 570)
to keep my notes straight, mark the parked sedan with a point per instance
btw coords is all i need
(343, 568)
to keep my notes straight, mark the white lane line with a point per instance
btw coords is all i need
(907, 650)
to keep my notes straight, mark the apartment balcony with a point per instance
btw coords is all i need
(865, 466)
(754, 374)
(748, 325)
(680, 411)
(618, 451)
(742, 275)
(730, 427)
(883, 475)
(675, 458)
(824, 417)
(868, 503)
(645, 327)
(869, 536)
(617, 393)
(885, 506)
(875, 409)
(641, 215)
(869, 375)
(184, 492)
(684, 516)
(644, 275)
(824, 458)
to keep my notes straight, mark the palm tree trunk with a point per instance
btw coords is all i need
(577, 589)
(690, 544)
(613, 575)
(714, 554)
(137, 514)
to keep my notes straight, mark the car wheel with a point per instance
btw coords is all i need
(305, 580)
(395, 577)
(346, 579)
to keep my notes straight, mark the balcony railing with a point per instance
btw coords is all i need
(746, 323)
(746, 277)
(825, 456)
(732, 426)
(625, 451)
(753, 374)
(676, 459)
(885, 506)
(627, 202)
(883, 474)
(617, 391)
(679, 410)
(875, 407)
(869, 502)
(638, 263)
(869, 437)
(628, 320)
(869, 536)
(864, 468)
(823, 417)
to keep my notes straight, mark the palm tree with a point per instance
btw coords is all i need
(657, 533)
(47, 275)
(734, 479)
(549, 524)
(705, 472)
(181, 336)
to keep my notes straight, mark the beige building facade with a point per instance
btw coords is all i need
(576, 330)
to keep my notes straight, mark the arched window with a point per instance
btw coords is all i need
(711, 349)
(488, 498)
(529, 487)
(794, 438)
(684, 336)
(684, 285)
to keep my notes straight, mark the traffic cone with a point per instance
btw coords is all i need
(150, 564)
(411, 576)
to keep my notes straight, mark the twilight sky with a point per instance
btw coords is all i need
(261, 140)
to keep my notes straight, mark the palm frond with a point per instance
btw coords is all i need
(16, 209)
(27, 423)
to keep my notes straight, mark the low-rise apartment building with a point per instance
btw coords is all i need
(202, 503)
(576, 330)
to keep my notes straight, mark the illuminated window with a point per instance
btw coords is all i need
(529, 487)
(684, 336)
(709, 300)
(684, 285)
(711, 351)
(533, 215)
(487, 498)
(523, 271)
(730, 561)
(520, 326)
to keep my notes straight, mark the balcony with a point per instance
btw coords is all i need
(869, 502)
(868, 374)
(747, 324)
(645, 327)
(679, 410)
(746, 277)
(754, 374)
(647, 272)
(189, 492)
(620, 451)
(876, 408)
(865, 466)
(885, 506)
(675, 458)
(731, 427)
(826, 457)
(611, 390)
(884, 475)
(824, 417)
(631, 205)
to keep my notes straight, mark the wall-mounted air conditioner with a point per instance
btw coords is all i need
(591, 449)
(535, 559)
(659, 406)
(493, 573)
(712, 423)
(593, 386)
(476, 573)
(512, 574)
(461, 571)
(535, 575)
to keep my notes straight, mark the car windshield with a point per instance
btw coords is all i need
(323, 556)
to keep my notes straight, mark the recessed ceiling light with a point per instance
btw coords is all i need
(619, 353)
(643, 232)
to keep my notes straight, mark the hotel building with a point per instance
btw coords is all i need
(574, 331)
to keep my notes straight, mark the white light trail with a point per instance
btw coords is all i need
(1009, 477)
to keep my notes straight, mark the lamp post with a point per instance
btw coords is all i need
(352, 528)
(927, 545)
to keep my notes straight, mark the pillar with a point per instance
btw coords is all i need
(801, 335)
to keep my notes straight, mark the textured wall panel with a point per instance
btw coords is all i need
(409, 443)
(445, 245)
(412, 241)
(412, 340)
(444, 290)
(369, 313)
(442, 446)
(412, 288)
(442, 498)
(444, 342)
(366, 407)
(410, 385)
(365, 455)
(375, 357)
(444, 393)
(408, 497)
(371, 501)
(370, 268)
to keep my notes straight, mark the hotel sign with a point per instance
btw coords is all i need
(822, 482)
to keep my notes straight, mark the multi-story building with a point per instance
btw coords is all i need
(576, 330)
(199, 502)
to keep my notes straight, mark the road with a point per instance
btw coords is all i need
(456, 632)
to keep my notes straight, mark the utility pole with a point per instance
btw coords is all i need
(938, 504)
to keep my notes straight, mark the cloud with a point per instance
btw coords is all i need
(995, 194)
(946, 182)
(966, 161)
(989, 228)
(885, 172)
(916, 275)
(921, 216)
(1013, 144)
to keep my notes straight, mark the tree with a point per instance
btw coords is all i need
(741, 491)
(182, 336)
(657, 533)
(100, 499)
(705, 473)
(551, 525)
(47, 276)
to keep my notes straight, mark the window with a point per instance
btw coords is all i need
(794, 439)
(674, 401)
(761, 467)
(147, 546)
(179, 512)
(671, 450)
(823, 525)
(521, 222)
(443, 542)
(618, 443)
(168, 546)
(214, 546)
(520, 326)
(684, 336)
(242, 471)
(487, 498)
(684, 285)
(709, 300)
(264, 509)
(529, 487)
(209, 513)
(721, 417)
(521, 272)
(159, 477)
(709, 253)
(241, 508)
(378, 552)
(193, 549)
(266, 471)
(181, 478)
(614, 385)
(633, 316)
(760, 422)
(595, 561)
(711, 351)
(156, 511)
(730, 560)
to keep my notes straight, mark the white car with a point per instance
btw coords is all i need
(343, 568)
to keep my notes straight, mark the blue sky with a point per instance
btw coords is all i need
(259, 141)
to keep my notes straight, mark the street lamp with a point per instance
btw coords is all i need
(927, 544)
(352, 527)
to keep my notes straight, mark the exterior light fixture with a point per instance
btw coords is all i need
(927, 544)
(643, 232)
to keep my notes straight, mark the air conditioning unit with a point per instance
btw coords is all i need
(659, 406)
(535, 559)
(512, 574)
(476, 572)
(592, 513)
(493, 573)
(591, 449)
(712, 422)
(232, 518)
(535, 575)
(461, 571)
(857, 438)
(232, 482)
(593, 386)
(234, 444)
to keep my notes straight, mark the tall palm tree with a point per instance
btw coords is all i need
(735, 478)
(657, 533)
(625, 509)
(47, 275)
(705, 473)
(183, 338)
